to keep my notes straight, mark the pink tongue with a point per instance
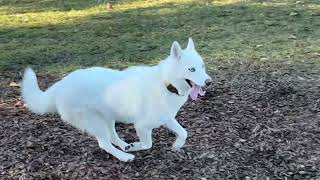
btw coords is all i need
(195, 91)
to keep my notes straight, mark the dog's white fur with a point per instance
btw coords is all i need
(94, 99)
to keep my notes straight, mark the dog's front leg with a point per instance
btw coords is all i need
(181, 133)
(145, 139)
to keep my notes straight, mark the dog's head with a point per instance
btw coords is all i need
(189, 68)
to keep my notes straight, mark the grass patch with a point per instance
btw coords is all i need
(60, 36)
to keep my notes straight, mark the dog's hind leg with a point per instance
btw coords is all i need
(115, 139)
(101, 130)
(95, 125)
(105, 144)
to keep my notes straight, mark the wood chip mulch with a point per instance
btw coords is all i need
(259, 123)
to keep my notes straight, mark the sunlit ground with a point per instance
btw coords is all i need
(60, 36)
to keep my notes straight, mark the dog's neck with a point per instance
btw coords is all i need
(167, 72)
(166, 69)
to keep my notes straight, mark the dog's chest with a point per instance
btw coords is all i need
(167, 104)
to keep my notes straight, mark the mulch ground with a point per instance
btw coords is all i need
(256, 122)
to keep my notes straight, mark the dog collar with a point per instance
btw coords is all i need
(171, 88)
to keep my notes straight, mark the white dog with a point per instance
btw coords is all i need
(94, 99)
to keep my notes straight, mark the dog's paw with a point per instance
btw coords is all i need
(178, 145)
(128, 147)
(136, 146)
(127, 158)
(123, 145)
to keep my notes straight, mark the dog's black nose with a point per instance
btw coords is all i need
(208, 82)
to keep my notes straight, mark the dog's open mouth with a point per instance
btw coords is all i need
(195, 90)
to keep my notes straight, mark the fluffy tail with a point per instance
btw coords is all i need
(36, 100)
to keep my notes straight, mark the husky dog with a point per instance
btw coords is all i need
(94, 99)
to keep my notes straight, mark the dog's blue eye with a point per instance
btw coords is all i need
(192, 69)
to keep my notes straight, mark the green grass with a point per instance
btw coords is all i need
(58, 36)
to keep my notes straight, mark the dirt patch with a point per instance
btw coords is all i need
(257, 122)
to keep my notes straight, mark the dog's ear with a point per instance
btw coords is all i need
(176, 50)
(190, 45)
